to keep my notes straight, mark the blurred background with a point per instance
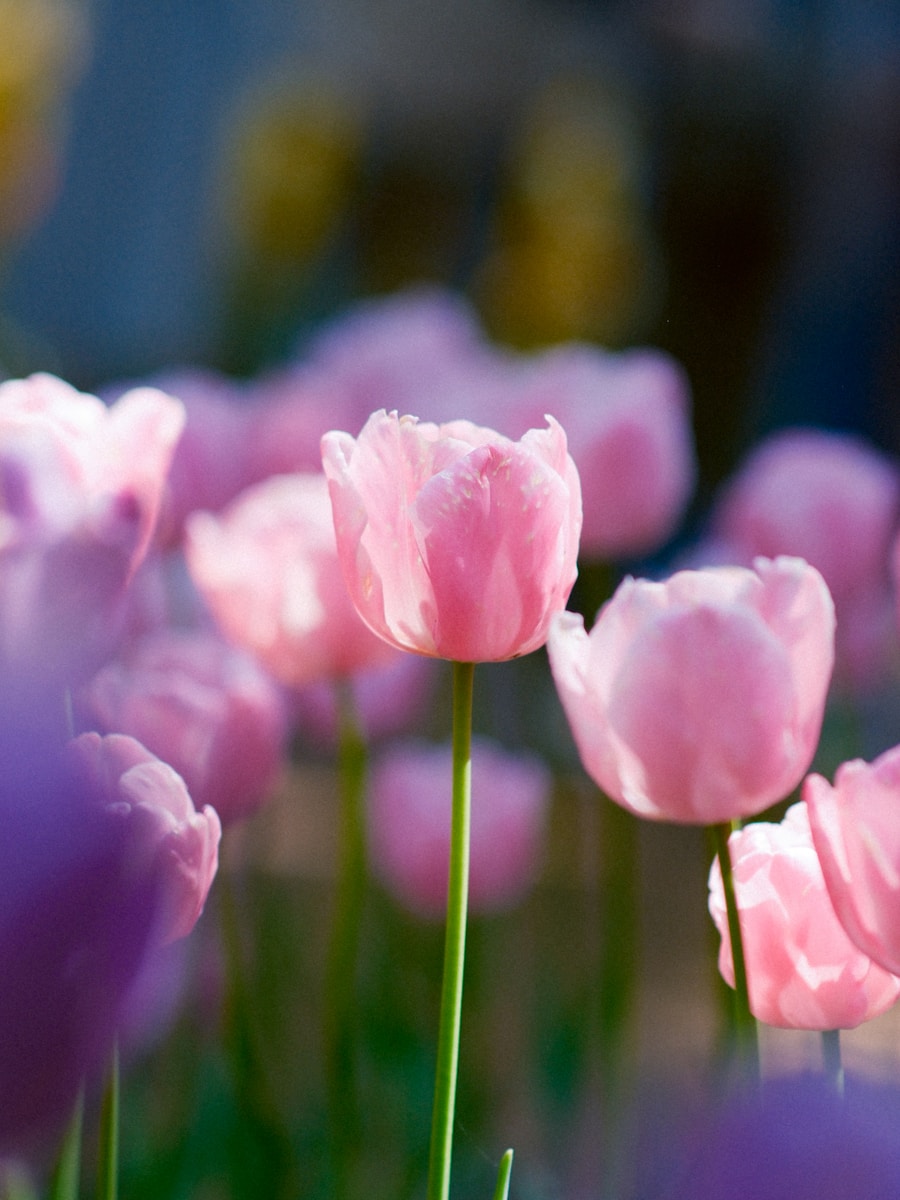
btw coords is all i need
(200, 182)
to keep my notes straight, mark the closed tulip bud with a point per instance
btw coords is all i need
(803, 972)
(455, 542)
(856, 833)
(700, 699)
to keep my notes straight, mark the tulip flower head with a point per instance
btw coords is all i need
(803, 971)
(80, 491)
(856, 832)
(700, 699)
(169, 840)
(455, 542)
(268, 569)
(102, 859)
(201, 705)
(833, 500)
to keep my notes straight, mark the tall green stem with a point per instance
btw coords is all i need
(108, 1172)
(455, 943)
(340, 990)
(67, 1172)
(744, 1022)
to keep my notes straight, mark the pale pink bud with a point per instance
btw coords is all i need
(455, 542)
(268, 569)
(856, 831)
(169, 839)
(202, 706)
(803, 972)
(700, 699)
(410, 816)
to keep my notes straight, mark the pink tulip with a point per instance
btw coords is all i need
(834, 500)
(202, 706)
(803, 972)
(856, 832)
(81, 486)
(409, 824)
(268, 569)
(454, 541)
(627, 420)
(700, 699)
(169, 839)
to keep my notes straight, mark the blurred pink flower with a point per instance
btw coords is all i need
(401, 352)
(77, 919)
(627, 420)
(202, 706)
(833, 500)
(80, 491)
(700, 699)
(409, 824)
(212, 460)
(856, 832)
(455, 542)
(291, 408)
(388, 699)
(168, 839)
(803, 972)
(268, 569)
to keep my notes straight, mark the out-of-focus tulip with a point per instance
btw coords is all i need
(409, 824)
(202, 706)
(269, 571)
(101, 857)
(700, 699)
(167, 837)
(627, 421)
(404, 352)
(794, 1139)
(291, 408)
(803, 972)
(388, 700)
(211, 462)
(856, 832)
(80, 491)
(455, 542)
(833, 500)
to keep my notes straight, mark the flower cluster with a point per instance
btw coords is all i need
(193, 591)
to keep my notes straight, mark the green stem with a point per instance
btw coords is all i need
(64, 1183)
(745, 1028)
(340, 989)
(501, 1192)
(108, 1173)
(455, 943)
(831, 1059)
